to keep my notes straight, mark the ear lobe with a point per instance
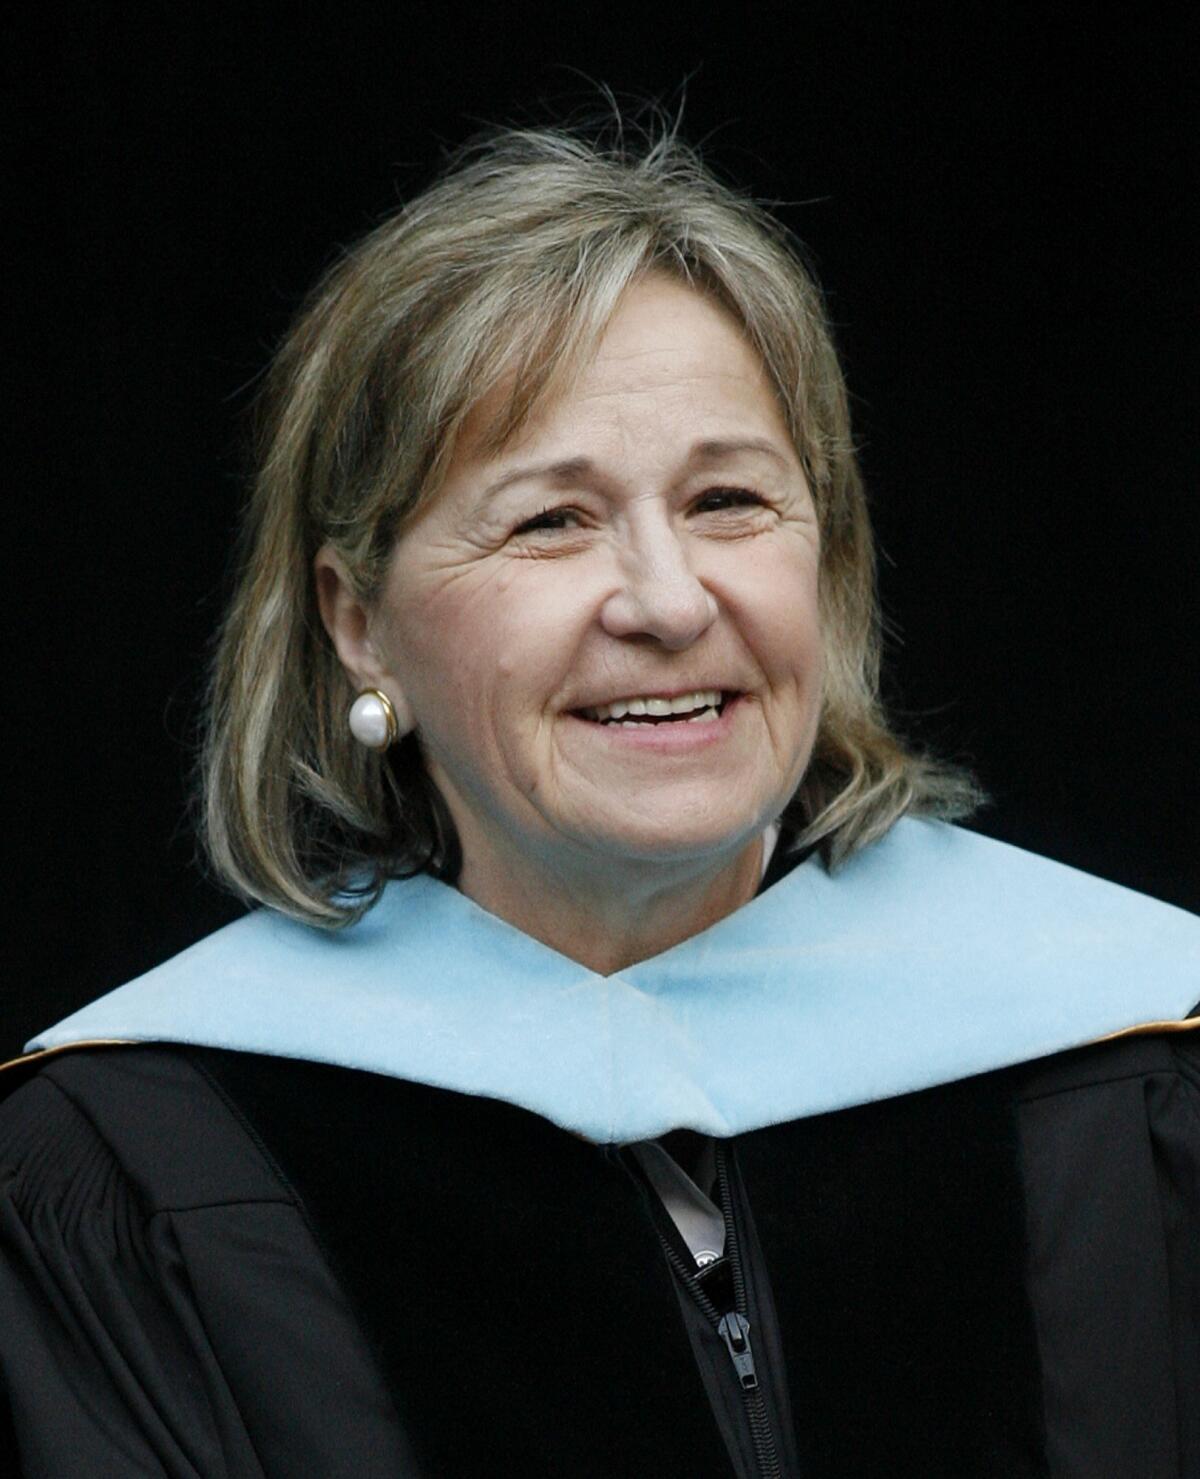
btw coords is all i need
(347, 620)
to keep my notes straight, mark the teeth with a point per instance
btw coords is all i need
(659, 708)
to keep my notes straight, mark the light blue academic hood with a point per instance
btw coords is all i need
(931, 955)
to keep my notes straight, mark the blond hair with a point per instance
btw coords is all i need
(506, 270)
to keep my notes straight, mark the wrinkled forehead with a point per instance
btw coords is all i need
(665, 343)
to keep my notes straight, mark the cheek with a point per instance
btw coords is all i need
(444, 626)
(783, 613)
(487, 652)
(534, 620)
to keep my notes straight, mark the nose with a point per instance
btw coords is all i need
(659, 594)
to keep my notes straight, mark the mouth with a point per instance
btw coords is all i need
(701, 706)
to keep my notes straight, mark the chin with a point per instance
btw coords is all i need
(673, 842)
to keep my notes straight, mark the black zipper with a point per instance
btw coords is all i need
(733, 1327)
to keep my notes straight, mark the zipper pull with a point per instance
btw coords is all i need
(734, 1330)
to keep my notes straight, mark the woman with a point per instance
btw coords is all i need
(632, 1071)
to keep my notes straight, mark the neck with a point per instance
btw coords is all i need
(609, 919)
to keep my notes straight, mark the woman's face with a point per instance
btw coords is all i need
(648, 536)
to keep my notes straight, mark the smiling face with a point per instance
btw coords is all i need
(649, 535)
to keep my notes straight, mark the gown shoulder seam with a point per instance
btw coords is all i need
(290, 1194)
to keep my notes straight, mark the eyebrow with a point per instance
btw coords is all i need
(710, 452)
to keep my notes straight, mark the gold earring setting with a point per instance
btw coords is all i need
(373, 720)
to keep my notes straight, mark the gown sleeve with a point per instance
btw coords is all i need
(1112, 1148)
(144, 1332)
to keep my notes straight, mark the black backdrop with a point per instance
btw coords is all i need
(996, 204)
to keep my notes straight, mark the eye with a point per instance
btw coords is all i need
(549, 520)
(717, 500)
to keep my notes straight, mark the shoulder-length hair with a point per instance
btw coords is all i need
(505, 271)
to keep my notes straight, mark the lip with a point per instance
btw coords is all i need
(676, 692)
(667, 739)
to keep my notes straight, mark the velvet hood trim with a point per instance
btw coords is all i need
(932, 955)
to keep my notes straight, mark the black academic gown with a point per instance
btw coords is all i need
(220, 1264)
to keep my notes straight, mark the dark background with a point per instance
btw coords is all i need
(997, 206)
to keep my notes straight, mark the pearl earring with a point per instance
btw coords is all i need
(373, 720)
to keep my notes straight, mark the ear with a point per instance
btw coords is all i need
(348, 622)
